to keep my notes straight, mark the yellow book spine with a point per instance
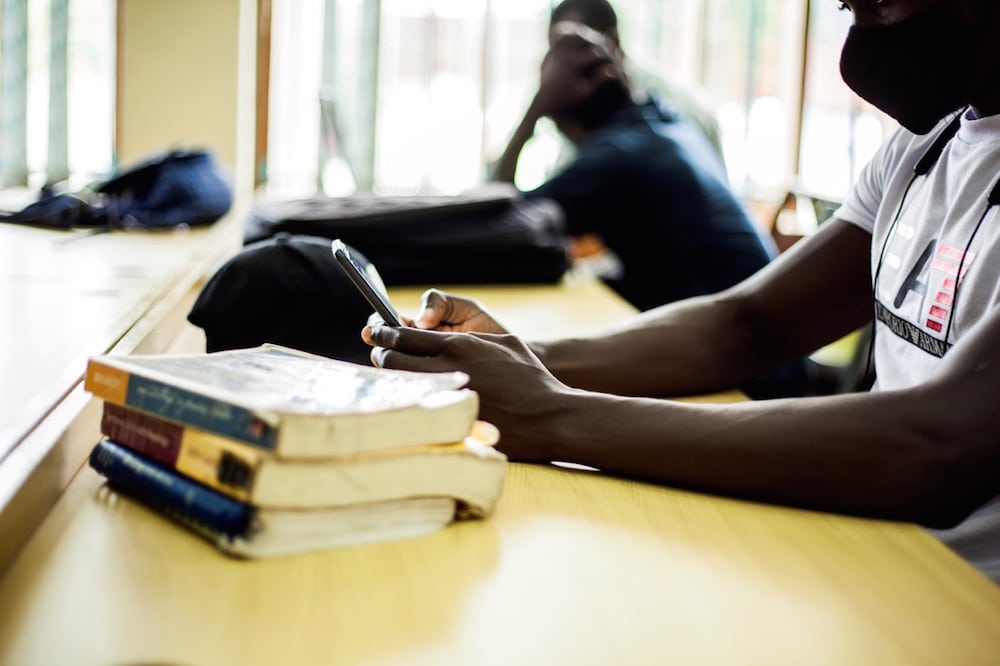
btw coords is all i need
(220, 463)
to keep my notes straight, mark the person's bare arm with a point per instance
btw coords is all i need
(505, 168)
(813, 294)
(926, 454)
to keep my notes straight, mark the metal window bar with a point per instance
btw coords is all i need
(367, 95)
(13, 93)
(35, 92)
(57, 164)
(354, 97)
(14, 99)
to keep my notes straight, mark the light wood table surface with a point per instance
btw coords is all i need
(573, 568)
(63, 297)
(67, 295)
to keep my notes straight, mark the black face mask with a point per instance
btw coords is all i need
(918, 70)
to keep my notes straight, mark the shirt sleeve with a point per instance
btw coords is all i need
(890, 169)
(585, 187)
(862, 203)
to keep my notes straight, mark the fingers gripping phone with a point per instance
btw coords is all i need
(374, 295)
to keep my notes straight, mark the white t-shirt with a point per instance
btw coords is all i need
(941, 230)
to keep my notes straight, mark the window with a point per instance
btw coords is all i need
(455, 77)
(56, 91)
(840, 131)
(293, 111)
(748, 57)
(412, 96)
(751, 70)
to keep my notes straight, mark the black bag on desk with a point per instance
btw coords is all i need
(287, 290)
(490, 236)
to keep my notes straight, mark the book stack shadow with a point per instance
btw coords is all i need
(270, 451)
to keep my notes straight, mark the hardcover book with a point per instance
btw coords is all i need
(469, 470)
(294, 404)
(243, 530)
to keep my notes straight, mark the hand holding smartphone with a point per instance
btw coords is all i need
(374, 295)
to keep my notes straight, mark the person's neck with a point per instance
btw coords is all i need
(984, 110)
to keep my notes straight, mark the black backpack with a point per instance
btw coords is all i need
(487, 236)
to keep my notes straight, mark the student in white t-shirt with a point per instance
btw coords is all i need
(916, 246)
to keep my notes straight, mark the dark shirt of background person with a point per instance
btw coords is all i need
(652, 187)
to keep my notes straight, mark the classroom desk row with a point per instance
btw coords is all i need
(574, 567)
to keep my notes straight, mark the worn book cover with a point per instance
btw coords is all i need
(243, 530)
(469, 470)
(295, 404)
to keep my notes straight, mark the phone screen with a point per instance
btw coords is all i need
(374, 295)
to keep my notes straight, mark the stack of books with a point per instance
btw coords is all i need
(270, 451)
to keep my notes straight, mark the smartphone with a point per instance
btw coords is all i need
(374, 295)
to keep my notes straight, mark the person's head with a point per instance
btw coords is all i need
(919, 60)
(582, 56)
(598, 15)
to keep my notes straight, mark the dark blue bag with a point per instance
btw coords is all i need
(168, 190)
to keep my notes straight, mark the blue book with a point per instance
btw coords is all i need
(246, 530)
(162, 488)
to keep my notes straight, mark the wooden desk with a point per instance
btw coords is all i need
(63, 297)
(574, 568)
